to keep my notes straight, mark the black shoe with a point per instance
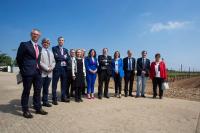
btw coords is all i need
(77, 100)
(81, 100)
(160, 97)
(27, 115)
(154, 97)
(131, 95)
(126, 95)
(66, 100)
(47, 105)
(106, 96)
(55, 102)
(41, 112)
(100, 97)
(143, 96)
(137, 96)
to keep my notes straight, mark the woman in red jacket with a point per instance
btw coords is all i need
(158, 74)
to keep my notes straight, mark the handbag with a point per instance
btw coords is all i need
(165, 85)
(19, 78)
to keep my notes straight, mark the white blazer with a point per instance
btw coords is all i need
(74, 67)
(45, 64)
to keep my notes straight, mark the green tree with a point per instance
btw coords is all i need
(5, 60)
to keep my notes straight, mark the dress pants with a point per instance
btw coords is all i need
(118, 83)
(129, 79)
(59, 73)
(91, 78)
(36, 80)
(103, 78)
(141, 82)
(45, 82)
(157, 82)
(78, 93)
(70, 86)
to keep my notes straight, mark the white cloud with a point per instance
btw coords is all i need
(171, 25)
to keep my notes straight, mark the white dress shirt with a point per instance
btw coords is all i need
(157, 70)
(116, 65)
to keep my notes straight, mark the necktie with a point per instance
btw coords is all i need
(36, 51)
(48, 56)
(61, 51)
(143, 63)
(129, 65)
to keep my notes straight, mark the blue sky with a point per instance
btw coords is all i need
(171, 27)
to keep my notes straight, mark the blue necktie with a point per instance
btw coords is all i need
(129, 65)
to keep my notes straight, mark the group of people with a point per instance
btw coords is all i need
(39, 65)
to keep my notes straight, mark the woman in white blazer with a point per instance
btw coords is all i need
(47, 64)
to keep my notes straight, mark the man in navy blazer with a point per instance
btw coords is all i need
(129, 73)
(27, 59)
(143, 68)
(60, 71)
(104, 73)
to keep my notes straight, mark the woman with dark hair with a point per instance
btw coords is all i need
(158, 74)
(118, 73)
(91, 65)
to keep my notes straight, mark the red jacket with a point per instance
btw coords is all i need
(163, 71)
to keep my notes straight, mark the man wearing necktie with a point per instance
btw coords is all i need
(28, 56)
(47, 64)
(129, 70)
(143, 68)
(60, 71)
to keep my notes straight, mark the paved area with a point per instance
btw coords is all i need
(125, 115)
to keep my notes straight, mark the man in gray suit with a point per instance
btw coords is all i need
(47, 64)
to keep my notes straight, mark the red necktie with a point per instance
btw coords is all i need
(36, 50)
(36, 53)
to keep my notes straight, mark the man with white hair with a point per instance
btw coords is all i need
(27, 59)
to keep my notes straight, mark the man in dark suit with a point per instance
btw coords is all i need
(104, 73)
(143, 68)
(59, 72)
(69, 92)
(27, 59)
(129, 71)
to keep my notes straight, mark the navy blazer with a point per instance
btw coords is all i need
(107, 64)
(140, 67)
(58, 57)
(26, 59)
(90, 65)
(125, 61)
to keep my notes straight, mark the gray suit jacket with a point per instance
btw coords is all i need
(45, 64)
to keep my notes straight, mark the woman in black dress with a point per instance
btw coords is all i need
(78, 73)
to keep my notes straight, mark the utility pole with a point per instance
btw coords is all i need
(181, 67)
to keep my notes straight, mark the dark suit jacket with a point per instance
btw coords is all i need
(140, 67)
(106, 65)
(58, 57)
(69, 64)
(125, 62)
(26, 58)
